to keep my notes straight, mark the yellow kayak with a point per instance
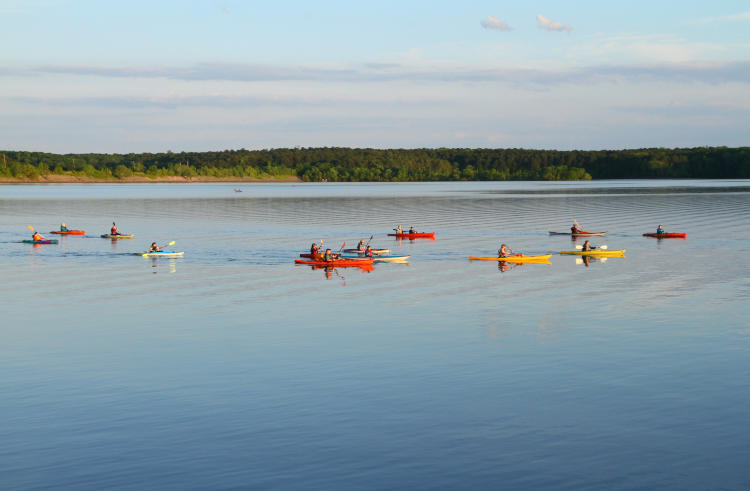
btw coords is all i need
(514, 259)
(596, 252)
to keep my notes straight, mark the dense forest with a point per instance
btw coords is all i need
(365, 164)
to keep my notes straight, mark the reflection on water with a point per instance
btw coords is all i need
(233, 368)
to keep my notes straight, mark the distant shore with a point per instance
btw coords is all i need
(71, 179)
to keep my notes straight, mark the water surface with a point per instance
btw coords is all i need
(231, 367)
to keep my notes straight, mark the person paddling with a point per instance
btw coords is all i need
(361, 246)
(368, 252)
(113, 230)
(63, 228)
(575, 229)
(314, 249)
(411, 230)
(37, 236)
(587, 246)
(505, 251)
(154, 248)
(399, 230)
(328, 256)
(660, 230)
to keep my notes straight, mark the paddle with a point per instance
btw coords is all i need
(603, 247)
(368, 242)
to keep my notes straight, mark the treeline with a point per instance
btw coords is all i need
(364, 164)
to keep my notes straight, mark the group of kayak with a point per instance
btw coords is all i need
(505, 254)
(114, 234)
(362, 255)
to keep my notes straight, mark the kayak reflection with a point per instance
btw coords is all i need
(157, 265)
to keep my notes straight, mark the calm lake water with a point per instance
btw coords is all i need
(234, 368)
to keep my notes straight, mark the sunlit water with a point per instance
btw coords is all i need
(231, 367)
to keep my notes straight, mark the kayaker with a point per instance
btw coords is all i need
(113, 230)
(411, 230)
(399, 230)
(154, 248)
(587, 246)
(314, 249)
(37, 236)
(361, 246)
(328, 256)
(63, 228)
(574, 229)
(660, 230)
(368, 252)
(504, 251)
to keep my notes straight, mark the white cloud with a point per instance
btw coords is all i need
(492, 22)
(551, 25)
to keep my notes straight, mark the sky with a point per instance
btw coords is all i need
(152, 76)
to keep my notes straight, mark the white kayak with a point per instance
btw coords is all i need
(163, 254)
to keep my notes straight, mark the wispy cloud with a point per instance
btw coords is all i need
(551, 25)
(492, 22)
(741, 17)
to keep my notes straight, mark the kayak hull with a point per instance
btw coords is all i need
(337, 262)
(69, 232)
(374, 251)
(415, 235)
(514, 259)
(45, 241)
(580, 234)
(381, 259)
(595, 253)
(668, 235)
(115, 237)
(163, 254)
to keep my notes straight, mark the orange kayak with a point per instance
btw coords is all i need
(69, 232)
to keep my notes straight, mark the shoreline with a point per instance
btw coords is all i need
(69, 179)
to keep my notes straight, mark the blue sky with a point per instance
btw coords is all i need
(149, 76)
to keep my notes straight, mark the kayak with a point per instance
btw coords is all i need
(596, 252)
(381, 259)
(163, 254)
(668, 235)
(415, 235)
(45, 241)
(515, 259)
(353, 258)
(113, 237)
(337, 262)
(374, 251)
(69, 232)
(579, 234)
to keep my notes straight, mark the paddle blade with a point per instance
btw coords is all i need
(30, 227)
(579, 247)
(602, 247)
(171, 243)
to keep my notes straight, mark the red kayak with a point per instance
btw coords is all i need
(311, 256)
(415, 235)
(337, 262)
(69, 232)
(668, 235)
